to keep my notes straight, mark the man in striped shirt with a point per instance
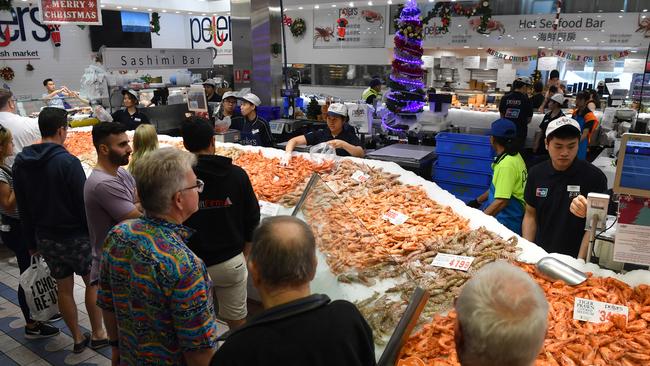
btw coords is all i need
(154, 291)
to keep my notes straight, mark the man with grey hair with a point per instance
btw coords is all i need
(155, 293)
(501, 318)
(296, 328)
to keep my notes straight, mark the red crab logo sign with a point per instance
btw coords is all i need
(352, 27)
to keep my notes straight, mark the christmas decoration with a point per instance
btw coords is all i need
(286, 20)
(298, 27)
(561, 54)
(341, 23)
(6, 35)
(313, 109)
(55, 34)
(29, 66)
(276, 49)
(6, 5)
(155, 23)
(556, 22)
(407, 93)
(536, 76)
(445, 9)
(7, 73)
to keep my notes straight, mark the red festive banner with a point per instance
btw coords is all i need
(70, 12)
(561, 54)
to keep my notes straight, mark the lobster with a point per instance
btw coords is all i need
(644, 26)
(323, 33)
(372, 17)
(492, 25)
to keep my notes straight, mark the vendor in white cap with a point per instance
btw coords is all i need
(551, 187)
(130, 116)
(253, 129)
(229, 104)
(339, 134)
(211, 95)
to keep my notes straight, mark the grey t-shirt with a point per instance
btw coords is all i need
(5, 177)
(108, 199)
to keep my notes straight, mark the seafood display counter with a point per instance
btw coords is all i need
(379, 232)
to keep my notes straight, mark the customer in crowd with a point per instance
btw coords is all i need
(553, 87)
(154, 291)
(228, 214)
(12, 236)
(538, 97)
(502, 317)
(516, 107)
(555, 104)
(24, 130)
(372, 93)
(505, 198)
(145, 140)
(109, 192)
(552, 185)
(254, 130)
(587, 120)
(56, 97)
(339, 134)
(49, 183)
(296, 328)
(130, 116)
(211, 95)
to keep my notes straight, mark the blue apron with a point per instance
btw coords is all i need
(250, 133)
(511, 215)
(582, 147)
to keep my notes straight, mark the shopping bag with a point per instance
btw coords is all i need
(40, 289)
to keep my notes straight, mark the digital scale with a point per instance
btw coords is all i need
(280, 126)
(228, 136)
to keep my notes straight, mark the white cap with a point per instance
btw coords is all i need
(130, 91)
(229, 94)
(561, 122)
(338, 109)
(524, 79)
(559, 98)
(210, 82)
(252, 98)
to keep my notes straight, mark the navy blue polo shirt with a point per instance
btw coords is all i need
(550, 192)
(348, 135)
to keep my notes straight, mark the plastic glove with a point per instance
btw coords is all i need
(474, 204)
(285, 159)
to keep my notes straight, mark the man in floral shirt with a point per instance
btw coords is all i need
(154, 292)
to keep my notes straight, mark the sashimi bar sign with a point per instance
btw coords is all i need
(156, 58)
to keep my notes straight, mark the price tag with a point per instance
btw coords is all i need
(360, 176)
(268, 208)
(596, 311)
(395, 218)
(452, 261)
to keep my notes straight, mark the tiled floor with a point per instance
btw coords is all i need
(16, 350)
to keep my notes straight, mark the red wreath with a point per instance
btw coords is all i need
(287, 21)
(7, 73)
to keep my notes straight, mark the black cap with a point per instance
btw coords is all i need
(197, 134)
(374, 83)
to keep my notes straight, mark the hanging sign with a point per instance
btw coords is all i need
(575, 65)
(494, 63)
(156, 58)
(634, 65)
(448, 62)
(547, 63)
(521, 65)
(607, 66)
(352, 27)
(472, 62)
(70, 12)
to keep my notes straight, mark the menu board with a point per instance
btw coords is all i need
(634, 65)
(353, 27)
(575, 65)
(547, 63)
(494, 63)
(607, 66)
(471, 62)
(448, 62)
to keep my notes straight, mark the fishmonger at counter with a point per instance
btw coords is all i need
(339, 134)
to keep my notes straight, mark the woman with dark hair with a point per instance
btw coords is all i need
(587, 120)
(594, 100)
(130, 116)
(505, 198)
(555, 104)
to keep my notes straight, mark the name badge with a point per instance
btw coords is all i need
(574, 191)
(137, 119)
(255, 131)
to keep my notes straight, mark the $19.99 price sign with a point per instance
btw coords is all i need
(452, 261)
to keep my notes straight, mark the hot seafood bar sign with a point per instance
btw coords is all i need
(353, 27)
(70, 12)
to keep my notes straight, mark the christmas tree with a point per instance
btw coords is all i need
(407, 88)
(313, 109)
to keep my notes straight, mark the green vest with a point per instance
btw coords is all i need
(368, 92)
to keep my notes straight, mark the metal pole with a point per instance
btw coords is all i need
(645, 72)
(285, 71)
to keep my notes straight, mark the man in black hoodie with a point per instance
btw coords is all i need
(49, 184)
(228, 214)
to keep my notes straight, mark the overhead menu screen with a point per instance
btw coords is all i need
(635, 172)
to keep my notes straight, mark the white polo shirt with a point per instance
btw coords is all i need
(24, 130)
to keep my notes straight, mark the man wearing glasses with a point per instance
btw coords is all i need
(228, 214)
(23, 129)
(154, 291)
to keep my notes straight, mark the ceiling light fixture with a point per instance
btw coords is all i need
(369, 3)
(334, 5)
(316, 6)
(390, 2)
(118, 7)
(135, 8)
(300, 8)
(351, 4)
(164, 11)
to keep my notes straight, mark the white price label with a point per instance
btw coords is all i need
(395, 218)
(452, 261)
(268, 208)
(360, 176)
(596, 311)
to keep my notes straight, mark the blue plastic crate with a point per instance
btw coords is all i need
(474, 164)
(461, 176)
(464, 145)
(269, 113)
(463, 192)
